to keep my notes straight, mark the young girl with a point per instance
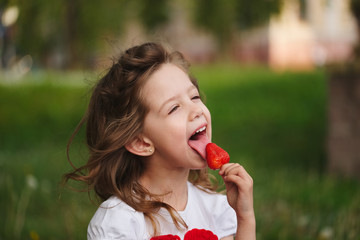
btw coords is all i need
(146, 129)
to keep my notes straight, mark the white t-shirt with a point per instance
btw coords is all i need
(114, 219)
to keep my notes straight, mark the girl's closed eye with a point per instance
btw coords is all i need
(173, 109)
(196, 97)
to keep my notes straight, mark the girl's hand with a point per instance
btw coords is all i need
(239, 186)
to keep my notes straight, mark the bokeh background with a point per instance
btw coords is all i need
(281, 78)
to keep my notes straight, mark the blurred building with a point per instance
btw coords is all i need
(306, 34)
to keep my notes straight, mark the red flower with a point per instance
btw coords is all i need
(166, 237)
(200, 234)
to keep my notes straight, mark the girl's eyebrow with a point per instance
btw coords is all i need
(192, 87)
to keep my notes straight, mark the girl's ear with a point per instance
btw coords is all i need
(141, 146)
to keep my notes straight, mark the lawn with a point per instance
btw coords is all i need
(273, 124)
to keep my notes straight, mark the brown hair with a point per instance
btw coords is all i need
(114, 117)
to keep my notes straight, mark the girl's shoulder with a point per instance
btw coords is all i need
(115, 218)
(116, 203)
(115, 209)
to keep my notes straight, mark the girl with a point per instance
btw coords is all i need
(146, 129)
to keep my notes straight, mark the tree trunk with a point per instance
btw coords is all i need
(344, 125)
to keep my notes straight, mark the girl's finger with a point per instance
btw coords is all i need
(241, 183)
(235, 169)
(225, 168)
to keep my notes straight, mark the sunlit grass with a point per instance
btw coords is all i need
(273, 124)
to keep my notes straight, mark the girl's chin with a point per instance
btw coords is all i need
(200, 166)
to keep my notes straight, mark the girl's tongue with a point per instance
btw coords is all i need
(198, 143)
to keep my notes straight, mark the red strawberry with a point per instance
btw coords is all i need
(216, 156)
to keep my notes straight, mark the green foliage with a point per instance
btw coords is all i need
(71, 32)
(69, 28)
(153, 13)
(254, 13)
(272, 124)
(38, 27)
(216, 16)
(76, 29)
(222, 17)
(4, 3)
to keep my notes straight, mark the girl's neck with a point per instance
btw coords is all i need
(172, 185)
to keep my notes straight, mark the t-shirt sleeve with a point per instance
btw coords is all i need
(225, 218)
(114, 222)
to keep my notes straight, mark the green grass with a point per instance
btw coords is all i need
(273, 124)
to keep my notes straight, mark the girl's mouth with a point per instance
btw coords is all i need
(198, 141)
(198, 132)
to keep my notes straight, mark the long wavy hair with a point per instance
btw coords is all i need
(115, 116)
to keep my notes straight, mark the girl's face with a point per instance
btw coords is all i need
(176, 112)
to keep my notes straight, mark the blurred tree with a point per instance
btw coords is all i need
(216, 16)
(87, 24)
(68, 33)
(250, 14)
(344, 111)
(69, 30)
(36, 27)
(8, 18)
(153, 13)
(222, 17)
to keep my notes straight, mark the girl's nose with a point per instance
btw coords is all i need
(196, 113)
